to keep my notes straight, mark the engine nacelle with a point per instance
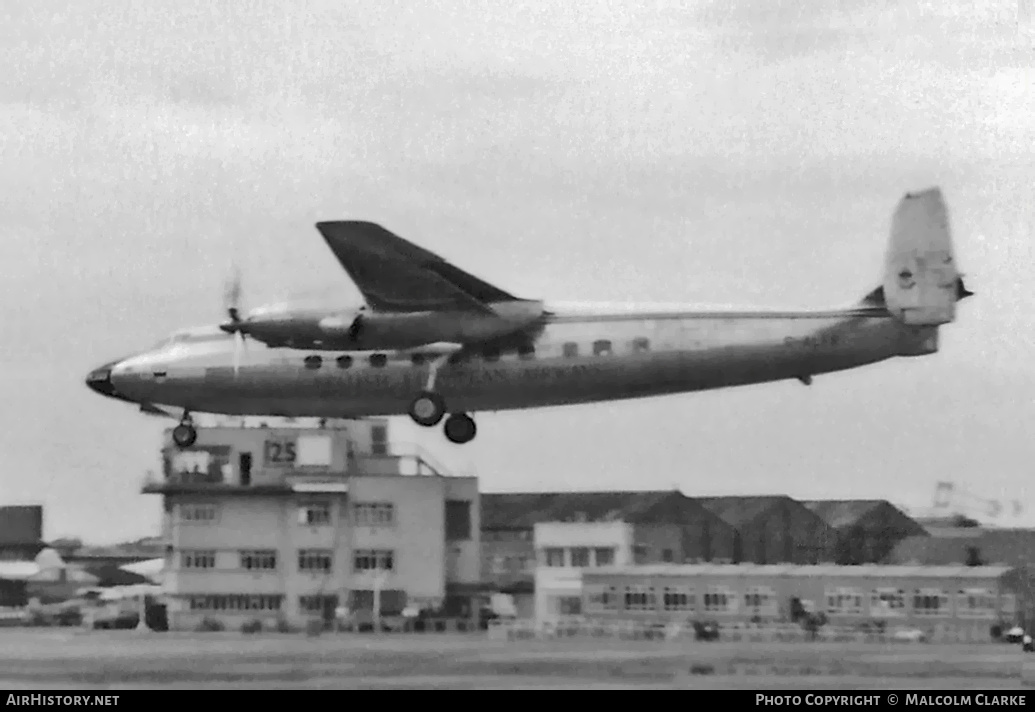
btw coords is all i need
(367, 329)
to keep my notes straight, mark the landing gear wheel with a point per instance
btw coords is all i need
(184, 435)
(460, 428)
(427, 409)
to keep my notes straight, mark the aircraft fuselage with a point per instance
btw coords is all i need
(582, 355)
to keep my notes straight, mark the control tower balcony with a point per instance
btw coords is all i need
(265, 460)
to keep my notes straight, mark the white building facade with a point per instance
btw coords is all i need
(564, 550)
(284, 525)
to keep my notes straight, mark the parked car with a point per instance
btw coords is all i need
(909, 635)
(1014, 635)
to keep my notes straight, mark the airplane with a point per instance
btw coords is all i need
(434, 342)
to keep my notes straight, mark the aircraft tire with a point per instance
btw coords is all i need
(460, 428)
(427, 409)
(184, 435)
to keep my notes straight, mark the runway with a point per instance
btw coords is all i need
(113, 660)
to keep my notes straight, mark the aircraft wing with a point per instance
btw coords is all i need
(396, 275)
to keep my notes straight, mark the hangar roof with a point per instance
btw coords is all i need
(525, 510)
(840, 513)
(739, 511)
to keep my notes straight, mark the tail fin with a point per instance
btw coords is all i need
(921, 283)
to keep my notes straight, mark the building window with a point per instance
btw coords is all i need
(317, 604)
(601, 598)
(315, 514)
(640, 554)
(602, 348)
(316, 560)
(553, 557)
(195, 559)
(344, 362)
(458, 520)
(570, 350)
(639, 598)
(374, 560)
(313, 362)
(667, 556)
(373, 514)
(604, 556)
(199, 513)
(975, 603)
(844, 601)
(719, 599)
(569, 605)
(379, 440)
(499, 564)
(640, 345)
(260, 560)
(678, 598)
(235, 602)
(760, 600)
(1008, 604)
(931, 602)
(580, 557)
(886, 602)
(378, 360)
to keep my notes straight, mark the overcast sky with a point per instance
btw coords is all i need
(728, 152)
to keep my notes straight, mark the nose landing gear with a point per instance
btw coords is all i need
(185, 434)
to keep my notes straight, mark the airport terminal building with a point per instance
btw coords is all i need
(941, 599)
(290, 524)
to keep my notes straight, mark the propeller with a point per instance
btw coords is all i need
(236, 325)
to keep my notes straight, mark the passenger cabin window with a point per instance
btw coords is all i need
(571, 350)
(491, 354)
(526, 351)
(313, 362)
(378, 360)
(602, 348)
(417, 359)
(640, 345)
(344, 361)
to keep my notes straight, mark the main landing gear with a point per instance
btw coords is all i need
(185, 434)
(428, 409)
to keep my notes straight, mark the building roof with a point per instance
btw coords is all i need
(524, 510)
(21, 524)
(739, 511)
(792, 570)
(842, 513)
(1014, 547)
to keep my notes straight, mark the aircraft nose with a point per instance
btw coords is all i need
(99, 380)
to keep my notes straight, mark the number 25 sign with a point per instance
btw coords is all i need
(280, 452)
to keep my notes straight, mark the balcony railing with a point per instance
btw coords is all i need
(399, 459)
